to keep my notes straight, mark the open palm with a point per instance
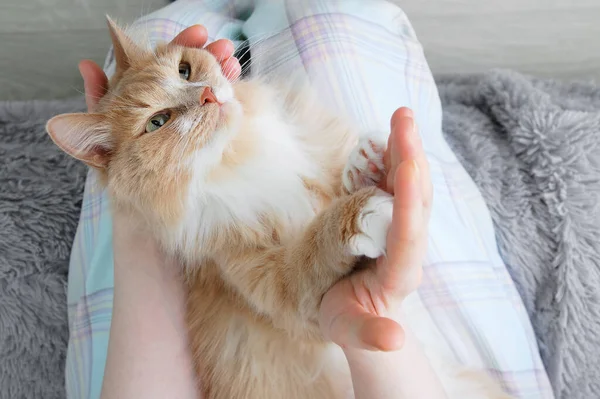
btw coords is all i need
(363, 309)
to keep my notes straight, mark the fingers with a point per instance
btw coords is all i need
(194, 36)
(222, 49)
(401, 147)
(95, 83)
(380, 333)
(359, 329)
(400, 271)
(231, 68)
(404, 144)
(400, 112)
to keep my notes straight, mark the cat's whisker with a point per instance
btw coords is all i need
(125, 106)
(260, 38)
(181, 150)
(197, 84)
(185, 138)
(82, 92)
(252, 41)
(229, 72)
(257, 52)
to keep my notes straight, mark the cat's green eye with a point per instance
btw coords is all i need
(156, 122)
(184, 71)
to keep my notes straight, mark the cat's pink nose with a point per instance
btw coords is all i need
(208, 96)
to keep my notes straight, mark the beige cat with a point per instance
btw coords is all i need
(266, 199)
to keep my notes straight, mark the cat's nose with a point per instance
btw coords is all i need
(208, 96)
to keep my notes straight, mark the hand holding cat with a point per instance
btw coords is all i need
(96, 82)
(363, 310)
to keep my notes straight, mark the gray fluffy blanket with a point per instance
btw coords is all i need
(531, 146)
(40, 198)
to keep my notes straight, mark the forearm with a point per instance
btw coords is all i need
(403, 374)
(148, 355)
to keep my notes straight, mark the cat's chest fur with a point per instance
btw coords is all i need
(275, 175)
(265, 192)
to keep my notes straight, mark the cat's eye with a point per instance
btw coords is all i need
(184, 71)
(157, 121)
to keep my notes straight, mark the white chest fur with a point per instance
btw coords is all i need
(268, 182)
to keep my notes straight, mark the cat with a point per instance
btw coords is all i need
(265, 198)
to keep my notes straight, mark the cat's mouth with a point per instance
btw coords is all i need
(229, 111)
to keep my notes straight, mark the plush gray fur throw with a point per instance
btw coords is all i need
(40, 198)
(532, 147)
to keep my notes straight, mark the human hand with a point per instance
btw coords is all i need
(363, 309)
(95, 81)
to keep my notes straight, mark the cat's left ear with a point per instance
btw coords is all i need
(123, 47)
(83, 136)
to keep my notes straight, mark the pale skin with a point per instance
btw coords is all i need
(148, 355)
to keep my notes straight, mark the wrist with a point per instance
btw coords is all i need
(131, 237)
(135, 250)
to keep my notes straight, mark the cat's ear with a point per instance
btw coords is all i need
(83, 136)
(123, 47)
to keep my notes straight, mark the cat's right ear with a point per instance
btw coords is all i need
(83, 136)
(123, 47)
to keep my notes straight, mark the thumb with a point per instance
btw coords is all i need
(359, 329)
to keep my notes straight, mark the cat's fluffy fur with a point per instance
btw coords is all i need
(247, 191)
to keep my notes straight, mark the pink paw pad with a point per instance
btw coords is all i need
(365, 166)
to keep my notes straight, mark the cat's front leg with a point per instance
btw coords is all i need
(286, 282)
(365, 167)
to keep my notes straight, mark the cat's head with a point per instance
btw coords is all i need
(167, 112)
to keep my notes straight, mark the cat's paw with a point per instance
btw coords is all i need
(365, 166)
(373, 222)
